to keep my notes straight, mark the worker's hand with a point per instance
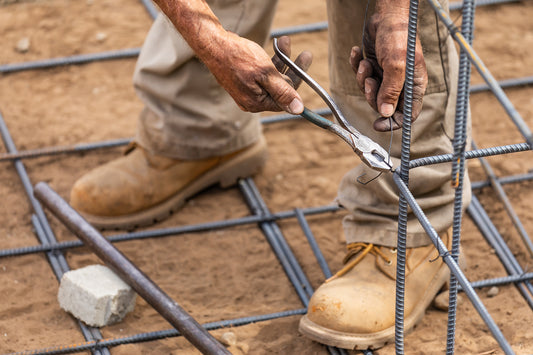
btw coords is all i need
(244, 69)
(381, 75)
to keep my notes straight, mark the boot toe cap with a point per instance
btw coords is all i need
(361, 309)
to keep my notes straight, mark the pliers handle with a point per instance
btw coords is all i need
(371, 153)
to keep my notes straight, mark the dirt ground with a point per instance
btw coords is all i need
(232, 272)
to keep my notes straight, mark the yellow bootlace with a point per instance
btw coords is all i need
(354, 249)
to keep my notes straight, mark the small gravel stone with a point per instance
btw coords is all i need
(441, 301)
(23, 45)
(101, 36)
(493, 291)
(228, 339)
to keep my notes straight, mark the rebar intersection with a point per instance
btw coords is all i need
(266, 221)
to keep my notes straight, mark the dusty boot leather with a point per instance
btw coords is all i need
(355, 310)
(141, 188)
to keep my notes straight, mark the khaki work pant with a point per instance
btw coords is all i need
(189, 116)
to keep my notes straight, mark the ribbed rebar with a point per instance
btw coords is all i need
(503, 180)
(42, 228)
(446, 158)
(498, 281)
(483, 71)
(160, 334)
(163, 232)
(509, 83)
(504, 199)
(458, 163)
(495, 240)
(83, 147)
(452, 265)
(404, 164)
(70, 60)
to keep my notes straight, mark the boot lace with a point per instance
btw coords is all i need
(362, 249)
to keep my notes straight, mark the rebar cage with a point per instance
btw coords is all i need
(268, 221)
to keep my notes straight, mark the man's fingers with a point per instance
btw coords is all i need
(391, 88)
(356, 55)
(371, 91)
(303, 61)
(383, 124)
(364, 72)
(283, 94)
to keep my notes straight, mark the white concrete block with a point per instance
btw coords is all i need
(95, 295)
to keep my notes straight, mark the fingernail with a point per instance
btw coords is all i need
(296, 107)
(367, 89)
(360, 70)
(386, 110)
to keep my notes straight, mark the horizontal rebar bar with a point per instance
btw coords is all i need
(70, 60)
(134, 52)
(503, 180)
(495, 240)
(157, 233)
(504, 199)
(504, 84)
(142, 284)
(446, 158)
(452, 265)
(156, 335)
(83, 147)
(498, 281)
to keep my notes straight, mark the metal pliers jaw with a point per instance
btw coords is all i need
(371, 153)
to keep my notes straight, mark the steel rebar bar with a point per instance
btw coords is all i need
(446, 158)
(163, 232)
(495, 240)
(401, 246)
(483, 71)
(504, 199)
(454, 268)
(458, 163)
(155, 335)
(42, 228)
(142, 284)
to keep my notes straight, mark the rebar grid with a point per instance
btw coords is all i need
(265, 218)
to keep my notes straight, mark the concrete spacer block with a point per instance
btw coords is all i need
(95, 295)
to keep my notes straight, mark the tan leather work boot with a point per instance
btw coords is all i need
(355, 308)
(142, 188)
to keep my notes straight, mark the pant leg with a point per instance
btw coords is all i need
(374, 207)
(187, 114)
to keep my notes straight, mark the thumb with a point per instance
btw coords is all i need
(284, 95)
(389, 92)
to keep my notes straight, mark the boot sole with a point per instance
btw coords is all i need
(226, 174)
(354, 341)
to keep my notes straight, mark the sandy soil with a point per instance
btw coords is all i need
(228, 273)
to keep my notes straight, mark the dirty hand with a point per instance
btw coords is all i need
(256, 82)
(381, 75)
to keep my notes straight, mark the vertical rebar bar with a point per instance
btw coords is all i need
(405, 157)
(458, 163)
(42, 228)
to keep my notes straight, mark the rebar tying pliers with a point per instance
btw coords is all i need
(371, 153)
